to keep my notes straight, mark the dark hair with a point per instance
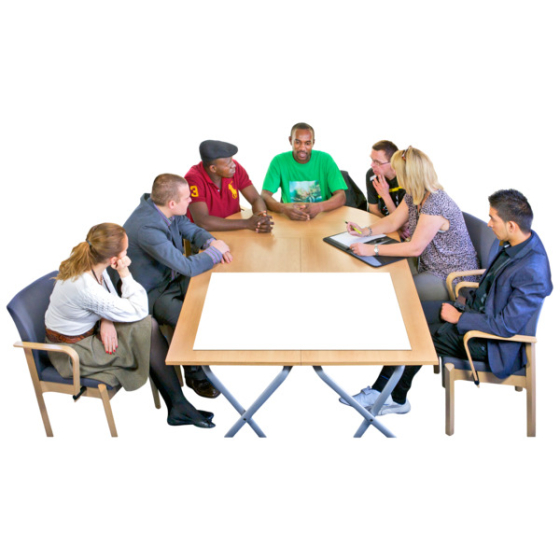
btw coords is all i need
(512, 206)
(302, 126)
(386, 146)
(166, 188)
(102, 242)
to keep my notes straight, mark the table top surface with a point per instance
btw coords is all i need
(299, 247)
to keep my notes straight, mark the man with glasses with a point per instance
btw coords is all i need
(383, 191)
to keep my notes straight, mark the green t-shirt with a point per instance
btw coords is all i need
(314, 181)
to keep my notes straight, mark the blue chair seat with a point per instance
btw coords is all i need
(50, 375)
(479, 366)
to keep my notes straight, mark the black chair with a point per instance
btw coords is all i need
(355, 198)
(28, 309)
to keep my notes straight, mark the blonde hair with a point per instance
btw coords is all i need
(102, 242)
(415, 173)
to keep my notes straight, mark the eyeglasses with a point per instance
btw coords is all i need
(380, 163)
(404, 153)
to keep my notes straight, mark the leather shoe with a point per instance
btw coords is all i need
(203, 387)
(206, 414)
(190, 422)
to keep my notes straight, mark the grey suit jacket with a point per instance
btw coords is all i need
(156, 249)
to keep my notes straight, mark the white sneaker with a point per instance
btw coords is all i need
(367, 397)
(395, 408)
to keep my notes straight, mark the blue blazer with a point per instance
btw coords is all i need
(156, 249)
(515, 296)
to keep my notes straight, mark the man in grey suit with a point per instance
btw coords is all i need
(155, 246)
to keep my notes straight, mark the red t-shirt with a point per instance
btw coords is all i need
(221, 203)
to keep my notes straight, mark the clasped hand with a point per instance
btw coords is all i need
(300, 211)
(261, 222)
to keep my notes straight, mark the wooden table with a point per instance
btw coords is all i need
(299, 247)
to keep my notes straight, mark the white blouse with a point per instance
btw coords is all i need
(76, 305)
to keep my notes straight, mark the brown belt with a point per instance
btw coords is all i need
(56, 337)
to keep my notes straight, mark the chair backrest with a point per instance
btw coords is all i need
(481, 236)
(28, 309)
(355, 198)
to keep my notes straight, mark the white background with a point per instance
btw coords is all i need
(100, 97)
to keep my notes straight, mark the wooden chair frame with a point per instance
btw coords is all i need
(520, 382)
(41, 387)
(75, 389)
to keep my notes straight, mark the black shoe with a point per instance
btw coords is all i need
(203, 387)
(204, 423)
(206, 414)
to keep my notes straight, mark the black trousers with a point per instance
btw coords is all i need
(166, 311)
(447, 342)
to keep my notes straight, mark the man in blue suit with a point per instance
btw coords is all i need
(155, 233)
(510, 292)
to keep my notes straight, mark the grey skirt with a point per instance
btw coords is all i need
(129, 365)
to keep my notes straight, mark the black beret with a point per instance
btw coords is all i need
(214, 149)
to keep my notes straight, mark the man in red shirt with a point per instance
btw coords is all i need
(215, 184)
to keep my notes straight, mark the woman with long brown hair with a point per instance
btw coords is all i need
(116, 340)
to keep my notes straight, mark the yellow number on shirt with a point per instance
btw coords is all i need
(194, 190)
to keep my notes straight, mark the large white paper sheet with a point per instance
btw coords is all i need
(313, 311)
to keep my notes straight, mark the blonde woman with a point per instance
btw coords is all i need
(115, 338)
(439, 236)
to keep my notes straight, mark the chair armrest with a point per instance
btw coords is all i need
(479, 334)
(57, 348)
(460, 285)
(458, 274)
(515, 338)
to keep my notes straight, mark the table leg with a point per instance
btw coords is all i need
(369, 413)
(247, 415)
(387, 390)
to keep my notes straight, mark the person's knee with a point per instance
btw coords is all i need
(167, 311)
(430, 287)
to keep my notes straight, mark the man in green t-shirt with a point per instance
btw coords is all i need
(310, 180)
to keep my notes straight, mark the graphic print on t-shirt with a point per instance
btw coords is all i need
(233, 190)
(305, 191)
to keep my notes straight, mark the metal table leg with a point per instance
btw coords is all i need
(247, 415)
(372, 411)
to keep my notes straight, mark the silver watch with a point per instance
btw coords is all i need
(376, 249)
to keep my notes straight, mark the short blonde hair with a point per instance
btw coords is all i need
(415, 173)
